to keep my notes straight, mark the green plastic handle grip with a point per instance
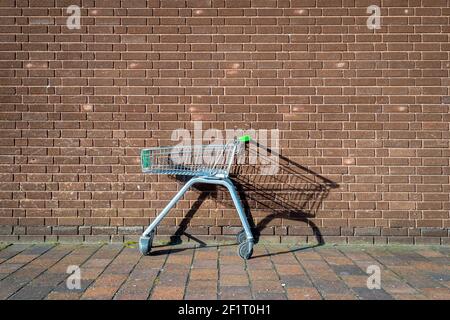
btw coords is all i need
(245, 138)
(145, 158)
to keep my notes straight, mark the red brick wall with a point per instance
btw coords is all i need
(366, 109)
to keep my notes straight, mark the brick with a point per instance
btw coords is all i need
(365, 110)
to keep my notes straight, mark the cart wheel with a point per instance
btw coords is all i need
(246, 250)
(241, 236)
(145, 244)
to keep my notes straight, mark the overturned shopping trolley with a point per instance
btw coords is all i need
(208, 164)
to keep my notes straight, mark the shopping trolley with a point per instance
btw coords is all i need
(208, 164)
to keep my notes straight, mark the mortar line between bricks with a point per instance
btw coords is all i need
(40, 273)
(308, 276)
(76, 248)
(150, 292)
(51, 247)
(188, 279)
(123, 281)
(278, 275)
(248, 276)
(81, 265)
(398, 275)
(218, 294)
(98, 276)
(401, 277)
(338, 276)
(18, 252)
(128, 277)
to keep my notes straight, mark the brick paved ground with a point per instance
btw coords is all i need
(38, 271)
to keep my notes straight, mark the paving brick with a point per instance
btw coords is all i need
(330, 287)
(372, 294)
(32, 293)
(199, 296)
(114, 272)
(265, 274)
(235, 293)
(295, 281)
(436, 293)
(289, 269)
(204, 264)
(203, 274)
(99, 293)
(63, 296)
(167, 293)
(409, 297)
(233, 280)
(232, 269)
(270, 296)
(11, 250)
(343, 270)
(197, 289)
(110, 280)
(332, 296)
(398, 288)
(131, 295)
(202, 284)
(304, 293)
(172, 280)
(269, 286)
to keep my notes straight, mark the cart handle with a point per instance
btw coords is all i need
(245, 138)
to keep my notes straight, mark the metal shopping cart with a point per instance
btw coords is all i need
(208, 164)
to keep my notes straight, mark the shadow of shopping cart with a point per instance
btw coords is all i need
(290, 192)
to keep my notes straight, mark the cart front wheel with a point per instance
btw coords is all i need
(241, 236)
(246, 250)
(145, 244)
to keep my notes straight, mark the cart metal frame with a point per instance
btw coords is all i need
(214, 171)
